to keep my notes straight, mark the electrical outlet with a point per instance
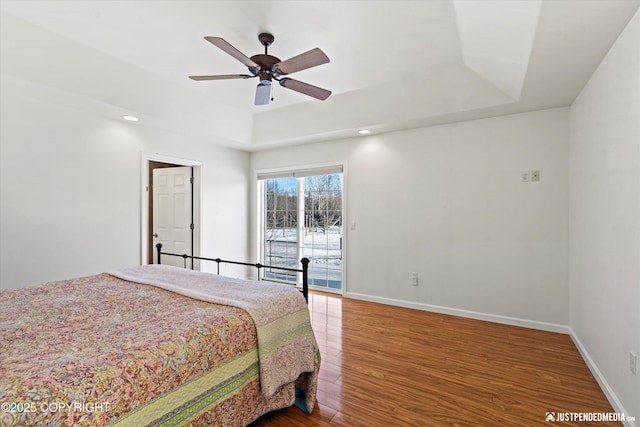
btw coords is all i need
(633, 363)
(524, 177)
(535, 176)
(414, 278)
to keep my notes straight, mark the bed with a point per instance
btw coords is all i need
(154, 345)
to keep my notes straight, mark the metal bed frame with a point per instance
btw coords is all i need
(304, 261)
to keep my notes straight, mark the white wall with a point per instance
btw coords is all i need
(70, 187)
(448, 203)
(605, 216)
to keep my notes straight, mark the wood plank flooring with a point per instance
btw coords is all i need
(391, 366)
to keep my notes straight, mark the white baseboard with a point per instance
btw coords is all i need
(514, 321)
(604, 385)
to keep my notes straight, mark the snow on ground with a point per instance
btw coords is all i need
(324, 251)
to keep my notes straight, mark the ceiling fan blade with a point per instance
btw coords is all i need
(303, 61)
(305, 88)
(221, 77)
(226, 46)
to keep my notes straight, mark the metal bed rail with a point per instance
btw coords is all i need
(304, 261)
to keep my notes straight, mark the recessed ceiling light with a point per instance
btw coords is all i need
(130, 118)
(364, 131)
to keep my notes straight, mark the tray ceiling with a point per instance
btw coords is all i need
(394, 64)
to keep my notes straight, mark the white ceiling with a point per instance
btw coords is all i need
(394, 64)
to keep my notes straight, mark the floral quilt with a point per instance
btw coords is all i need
(100, 350)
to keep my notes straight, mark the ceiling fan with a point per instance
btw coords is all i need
(268, 68)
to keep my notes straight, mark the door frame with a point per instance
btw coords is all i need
(145, 160)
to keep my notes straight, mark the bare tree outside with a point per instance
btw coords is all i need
(323, 202)
(281, 204)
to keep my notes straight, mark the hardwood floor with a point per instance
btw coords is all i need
(391, 366)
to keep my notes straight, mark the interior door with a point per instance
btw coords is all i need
(172, 213)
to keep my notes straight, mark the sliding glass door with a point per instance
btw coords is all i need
(302, 217)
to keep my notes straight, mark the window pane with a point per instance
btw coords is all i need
(280, 226)
(323, 229)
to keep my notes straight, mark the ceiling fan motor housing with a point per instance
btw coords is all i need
(266, 63)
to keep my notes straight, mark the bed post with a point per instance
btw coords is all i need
(305, 278)
(159, 249)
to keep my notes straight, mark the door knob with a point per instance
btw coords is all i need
(155, 234)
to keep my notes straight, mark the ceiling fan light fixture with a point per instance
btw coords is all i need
(263, 94)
